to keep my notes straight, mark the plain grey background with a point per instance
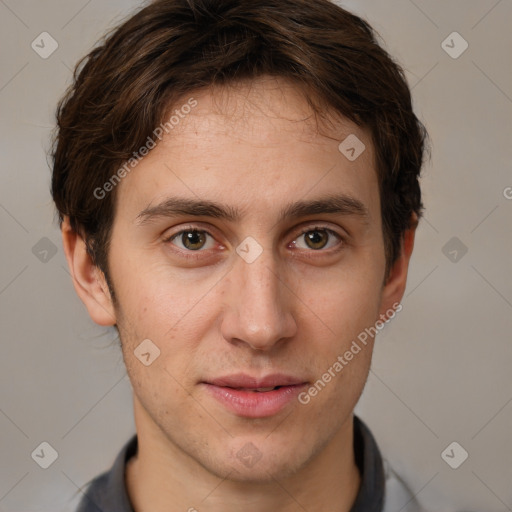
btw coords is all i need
(441, 369)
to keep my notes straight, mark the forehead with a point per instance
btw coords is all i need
(258, 111)
(253, 145)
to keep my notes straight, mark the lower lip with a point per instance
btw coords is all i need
(254, 404)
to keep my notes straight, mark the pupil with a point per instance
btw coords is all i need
(316, 238)
(192, 238)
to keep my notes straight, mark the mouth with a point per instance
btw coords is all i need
(253, 397)
(258, 390)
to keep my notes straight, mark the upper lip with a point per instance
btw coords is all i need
(242, 380)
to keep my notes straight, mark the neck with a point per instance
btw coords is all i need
(162, 477)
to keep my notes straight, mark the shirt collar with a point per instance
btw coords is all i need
(370, 497)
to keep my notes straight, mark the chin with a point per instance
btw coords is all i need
(262, 473)
(248, 464)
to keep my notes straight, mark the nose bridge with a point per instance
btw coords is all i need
(258, 313)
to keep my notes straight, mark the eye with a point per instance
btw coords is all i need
(316, 238)
(195, 240)
(191, 239)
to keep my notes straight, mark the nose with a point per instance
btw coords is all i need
(258, 305)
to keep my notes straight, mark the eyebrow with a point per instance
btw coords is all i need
(340, 204)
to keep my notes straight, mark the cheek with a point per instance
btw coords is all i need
(176, 319)
(339, 310)
(157, 362)
(344, 301)
(156, 301)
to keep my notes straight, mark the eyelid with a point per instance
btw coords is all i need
(318, 227)
(188, 229)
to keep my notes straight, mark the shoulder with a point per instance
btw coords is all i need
(398, 494)
(108, 490)
(94, 496)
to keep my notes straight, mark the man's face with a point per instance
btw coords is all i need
(216, 307)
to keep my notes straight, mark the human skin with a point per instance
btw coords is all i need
(254, 147)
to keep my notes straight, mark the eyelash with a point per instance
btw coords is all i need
(195, 254)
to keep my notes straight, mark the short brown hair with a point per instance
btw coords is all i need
(123, 88)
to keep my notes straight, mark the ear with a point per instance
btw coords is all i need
(396, 281)
(89, 281)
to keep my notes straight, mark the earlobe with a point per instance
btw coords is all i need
(396, 282)
(89, 281)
